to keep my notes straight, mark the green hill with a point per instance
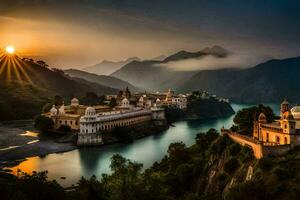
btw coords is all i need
(267, 82)
(214, 168)
(26, 86)
(108, 81)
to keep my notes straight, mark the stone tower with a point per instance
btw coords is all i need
(284, 107)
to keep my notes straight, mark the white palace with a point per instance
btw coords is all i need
(93, 121)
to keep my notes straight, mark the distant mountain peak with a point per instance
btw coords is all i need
(107, 67)
(216, 50)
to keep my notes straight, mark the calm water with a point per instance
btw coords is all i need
(96, 160)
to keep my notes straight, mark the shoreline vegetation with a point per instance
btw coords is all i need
(213, 168)
(59, 143)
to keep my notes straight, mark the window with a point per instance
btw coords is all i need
(277, 139)
(285, 140)
(267, 139)
(285, 126)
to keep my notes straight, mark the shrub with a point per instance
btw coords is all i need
(222, 177)
(231, 165)
(65, 128)
(249, 190)
(281, 173)
(43, 123)
(265, 164)
(234, 149)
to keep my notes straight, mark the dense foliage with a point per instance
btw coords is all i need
(213, 168)
(199, 107)
(245, 117)
(43, 123)
(174, 114)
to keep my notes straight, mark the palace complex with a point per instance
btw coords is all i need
(92, 121)
(276, 137)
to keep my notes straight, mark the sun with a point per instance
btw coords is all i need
(10, 50)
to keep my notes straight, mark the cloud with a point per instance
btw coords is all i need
(211, 62)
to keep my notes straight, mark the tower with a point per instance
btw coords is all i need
(284, 107)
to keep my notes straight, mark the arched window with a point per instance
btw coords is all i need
(277, 139)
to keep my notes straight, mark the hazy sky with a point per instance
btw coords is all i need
(74, 33)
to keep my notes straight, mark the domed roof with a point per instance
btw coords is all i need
(125, 100)
(53, 110)
(74, 100)
(296, 111)
(262, 116)
(157, 100)
(285, 102)
(62, 109)
(141, 98)
(90, 111)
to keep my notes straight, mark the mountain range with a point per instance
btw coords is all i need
(270, 81)
(152, 75)
(107, 67)
(108, 81)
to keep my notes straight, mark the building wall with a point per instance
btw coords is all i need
(72, 122)
(275, 137)
(94, 127)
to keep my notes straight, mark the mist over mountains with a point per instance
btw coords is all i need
(107, 67)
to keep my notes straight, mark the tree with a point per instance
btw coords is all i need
(43, 123)
(245, 117)
(178, 153)
(42, 63)
(113, 103)
(203, 140)
(91, 98)
(58, 100)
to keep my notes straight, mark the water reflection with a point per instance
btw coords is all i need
(96, 160)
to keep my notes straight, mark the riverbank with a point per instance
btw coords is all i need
(18, 144)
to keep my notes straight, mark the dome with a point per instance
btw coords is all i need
(157, 100)
(62, 110)
(90, 111)
(74, 101)
(141, 99)
(285, 102)
(296, 111)
(262, 118)
(53, 110)
(125, 101)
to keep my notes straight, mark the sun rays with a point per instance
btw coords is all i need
(12, 68)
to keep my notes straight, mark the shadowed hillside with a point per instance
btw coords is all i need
(26, 86)
(101, 79)
(107, 67)
(267, 82)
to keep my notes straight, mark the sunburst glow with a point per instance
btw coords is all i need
(10, 49)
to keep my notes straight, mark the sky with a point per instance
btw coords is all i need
(78, 33)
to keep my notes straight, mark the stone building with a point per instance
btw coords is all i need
(148, 100)
(93, 125)
(70, 115)
(276, 137)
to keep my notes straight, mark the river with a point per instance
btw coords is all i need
(96, 160)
